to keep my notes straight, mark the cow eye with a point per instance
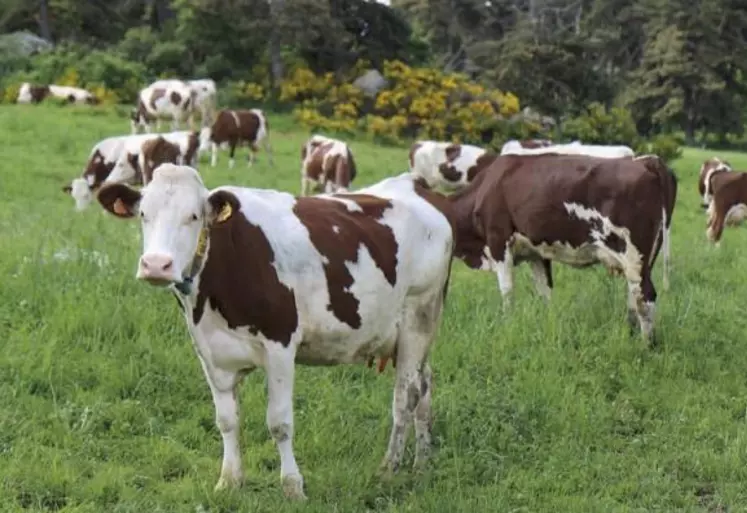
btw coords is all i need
(194, 217)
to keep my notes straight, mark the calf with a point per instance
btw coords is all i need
(231, 128)
(728, 202)
(326, 164)
(268, 280)
(102, 161)
(709, 168)
(574, 148)
(449, 165)
(164, 99)
(574, 209)
(35, 93)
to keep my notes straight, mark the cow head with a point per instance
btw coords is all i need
(707, 170)
(81, 192)
(175, 211)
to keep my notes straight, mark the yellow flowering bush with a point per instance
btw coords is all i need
(104, 95)
(10, 93)
(418, 102)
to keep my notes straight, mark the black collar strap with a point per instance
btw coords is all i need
(185, 286)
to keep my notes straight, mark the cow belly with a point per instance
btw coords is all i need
(736, 214)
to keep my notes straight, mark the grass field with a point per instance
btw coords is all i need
(104, 408)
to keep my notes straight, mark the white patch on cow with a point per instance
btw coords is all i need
(504, 270)
(721, 167)
(24, 93)
(235, 117)
(64, 92)
(336, 229)
(262, 128)
(591, 150)
(427, 158)
(351, 205)
(81, 193)
(164, 107)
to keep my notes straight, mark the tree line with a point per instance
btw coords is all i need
(678, 66)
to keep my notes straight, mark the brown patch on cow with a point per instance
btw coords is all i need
(729, 190)
(98, 168)
(239, 280)
(156, 152)
(193, 144)
(483, 162)
(175, 98)
(338, 233)
(156, 95)
(413, 149)
(38, 92)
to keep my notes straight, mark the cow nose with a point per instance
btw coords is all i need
(156, 268)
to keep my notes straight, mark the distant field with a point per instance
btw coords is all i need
(104, 408)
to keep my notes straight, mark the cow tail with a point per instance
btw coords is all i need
(668, 182)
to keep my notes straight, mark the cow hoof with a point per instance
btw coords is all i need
(227, 483)
(293, 487)
(387, 469)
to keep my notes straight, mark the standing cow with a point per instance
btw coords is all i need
(233, 127)
(164, 99)
(268, 280)
(574, 209)
(709, 168)
(326, 165)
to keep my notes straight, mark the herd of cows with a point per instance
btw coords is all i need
(269, 279)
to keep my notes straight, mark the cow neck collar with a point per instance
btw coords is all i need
(185, 286)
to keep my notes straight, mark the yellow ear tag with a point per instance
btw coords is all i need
(225, 213)
(202, 242)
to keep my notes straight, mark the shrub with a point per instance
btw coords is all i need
(597, 125)
(418, 102)
(667, 147)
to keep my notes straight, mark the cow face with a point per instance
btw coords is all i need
(707, 170)
(173, 208)
(81, 192)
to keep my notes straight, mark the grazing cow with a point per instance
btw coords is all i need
(101, 162)
(268, 280)
(155, 152)
(574, 148)
(449, 165)
(574, 209)
(164, 99)
(35, 93)
(326, 165)
(709, 168)
(131, 165)
(728, 202)
(232, 127)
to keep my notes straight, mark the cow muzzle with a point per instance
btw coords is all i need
(157, 269)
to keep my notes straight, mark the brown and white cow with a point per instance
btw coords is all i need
(102, 160)
(164, 99)
(577, 210)
(326, 165)
(233, 127)
(709, 168)
(449, 165)
(728, 202)
(160, 150)
(269, 280)
(35, 93)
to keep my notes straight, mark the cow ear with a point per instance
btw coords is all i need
(119, 199)
(222, 206)
(67, 189)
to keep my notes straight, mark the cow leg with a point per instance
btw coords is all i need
(223, 386)
(280, 375)
(542, 274)
(715, 227)
(213, 154)
(642, 305)
(424, 418)
(252, 157)
(268, 150)
(501, 260)
(304, 186)
(232, 152)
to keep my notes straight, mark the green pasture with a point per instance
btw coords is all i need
(104, 408)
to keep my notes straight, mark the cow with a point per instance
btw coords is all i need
(710, 167)
(268, 280)
(35, 93)
(574, 209)
(131, 165)
(233, 127)
(573, 148)
(205, 93)
(326, 164)
(449, 165)
(102, 160)
(164, 99)
(728, 201)
(155, 152)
